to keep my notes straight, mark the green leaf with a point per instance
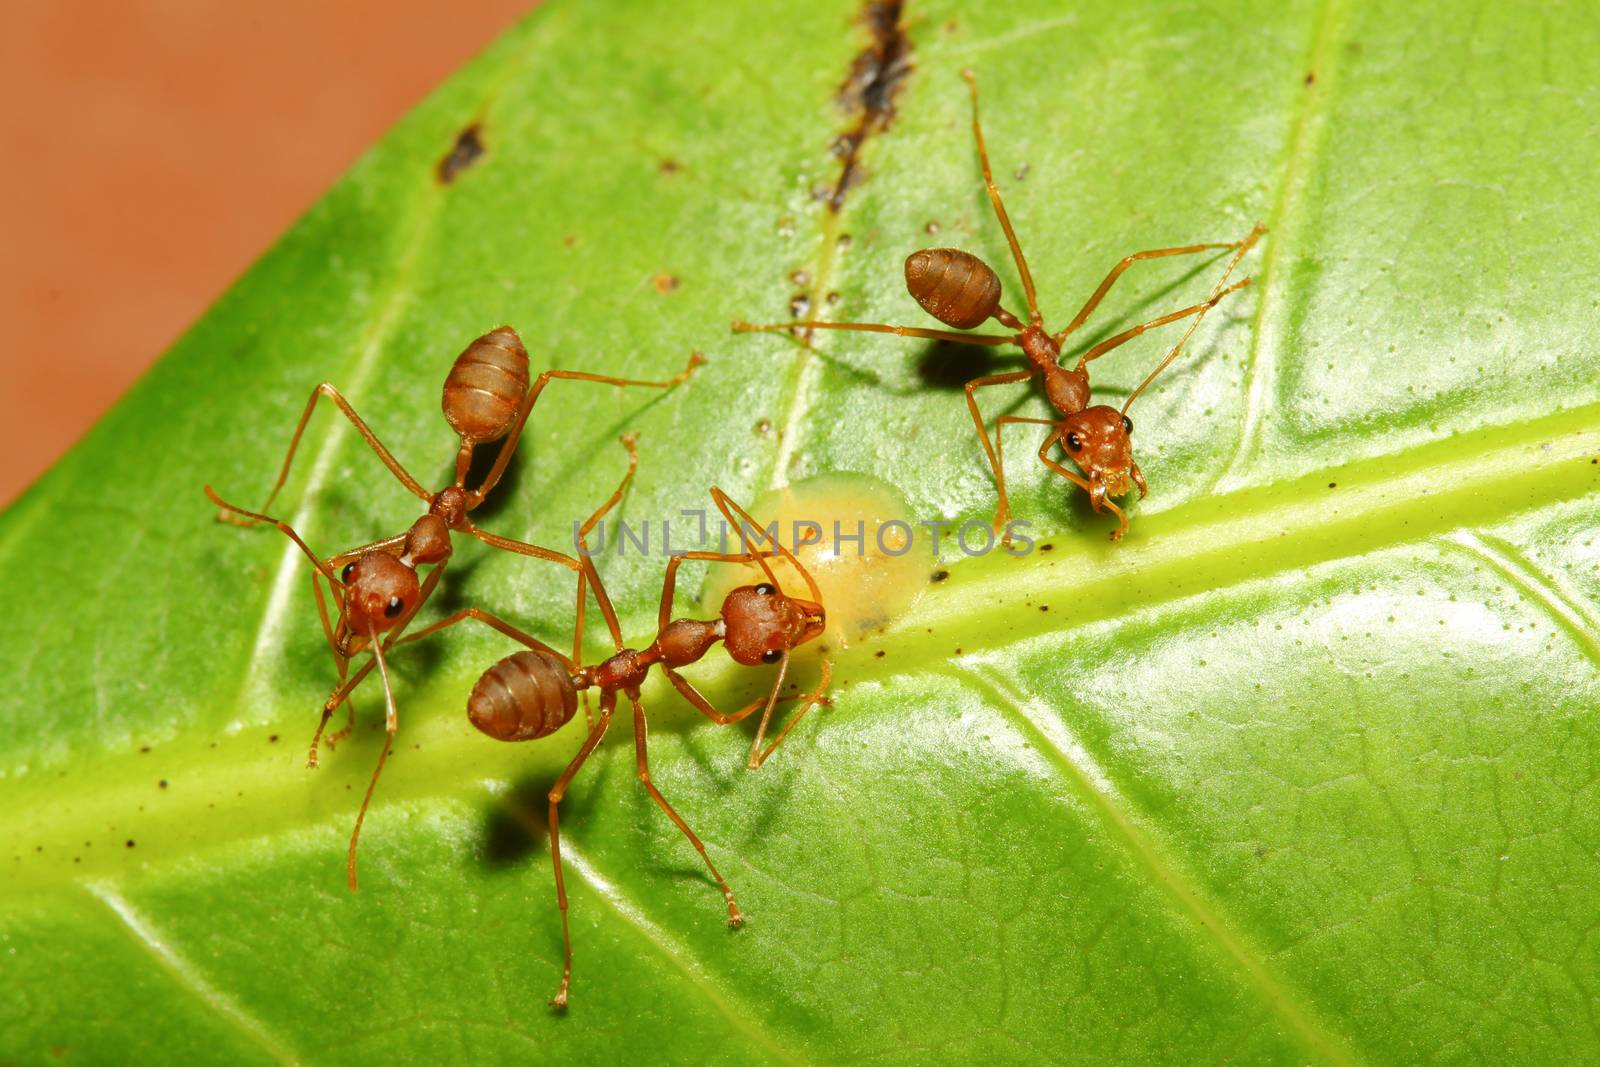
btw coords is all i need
(1304, 770)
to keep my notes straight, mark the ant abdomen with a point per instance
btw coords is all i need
(525, 696)
(953, 286)
(486, 386)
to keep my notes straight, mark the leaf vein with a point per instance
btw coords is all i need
(1564, 606)
(1260, 371)
(187, 976)
(1094, 784)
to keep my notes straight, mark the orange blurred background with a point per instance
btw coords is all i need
(153, 149)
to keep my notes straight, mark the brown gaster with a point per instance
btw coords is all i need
(529, 695)
(962, 291)
(375, 588)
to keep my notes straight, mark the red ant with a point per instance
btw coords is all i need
(375, 588)
(532, 694)
(961, 290)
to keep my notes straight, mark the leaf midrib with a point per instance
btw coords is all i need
(985, 604)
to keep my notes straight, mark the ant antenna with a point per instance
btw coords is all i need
(724, 502)
(316, 561)
(388, 742)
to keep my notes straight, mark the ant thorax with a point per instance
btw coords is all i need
(1067, 390)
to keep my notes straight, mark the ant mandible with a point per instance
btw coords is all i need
(532, 694)
(963, 291)
(375, 589)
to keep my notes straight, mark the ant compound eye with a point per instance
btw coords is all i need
(1127, 426)
(1074, 443)
(764, 589)
(394, 607)
(772, 655)
(344, 575)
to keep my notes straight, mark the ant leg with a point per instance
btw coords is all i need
(629, 441)
(669, 585)
(341, 664)
(337, 738)
(757, 757)
(608, 704)
(1134, 331)
(641, 748)
(521, 547)
(494, 622)
(1044, 457)
(708, 709)
(1004, 511)
(812, 698)
(1097, 492)
(1217, 293)
(999, 208)
(327, 390)
(1003, 515)
(878, 327)
(386, 545)
(490, 480)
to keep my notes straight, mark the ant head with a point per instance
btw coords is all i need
(1098, 440)
(761, 624)
(378, 591)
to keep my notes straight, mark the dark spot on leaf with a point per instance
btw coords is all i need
(569, 240)
(932, 227)
(801, 277)
(800, 305)
(463, 154)
(666, 283)
(143, 749)
(272, 739)
(880, 653)
(1311, 77)
(1044, 607)
(130, 842)
(1047, 547)
(868, 92)
(162, 784)
(1333, 485)
(763, 427)
(939, 576)
(670, 166)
